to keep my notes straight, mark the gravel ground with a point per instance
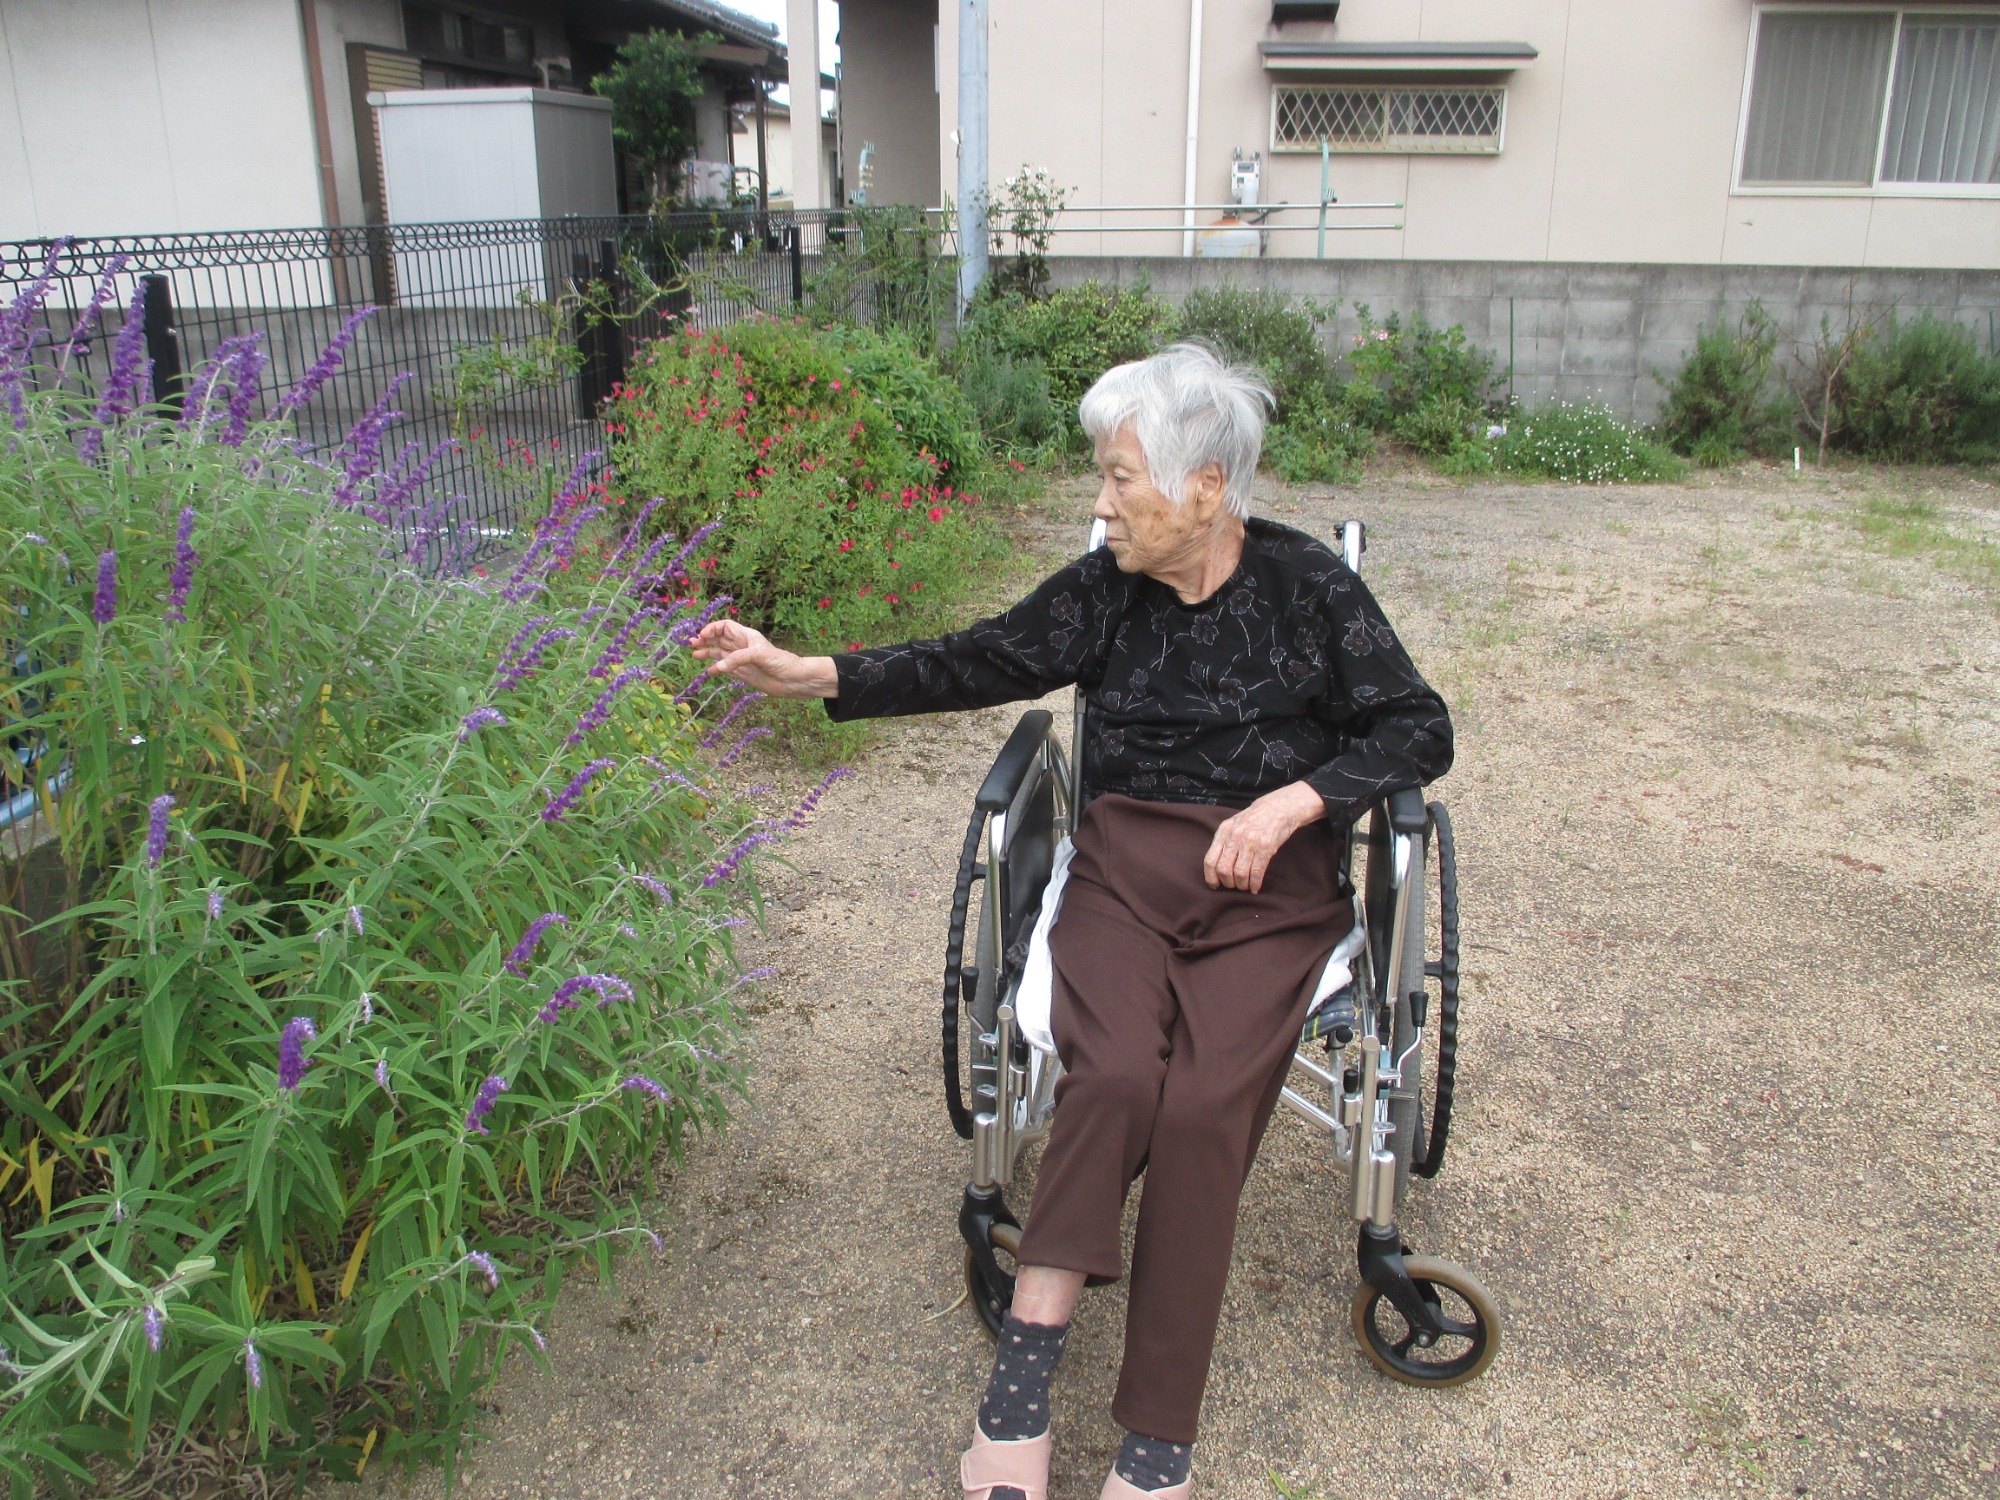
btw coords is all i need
(1725, 802)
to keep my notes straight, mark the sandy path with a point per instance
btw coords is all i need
(1730, 1122)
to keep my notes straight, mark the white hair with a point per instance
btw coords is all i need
(1189, 408)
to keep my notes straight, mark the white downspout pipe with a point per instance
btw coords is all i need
(972, 113)
(1193, 126)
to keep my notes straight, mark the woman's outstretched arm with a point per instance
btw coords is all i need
(734, 650)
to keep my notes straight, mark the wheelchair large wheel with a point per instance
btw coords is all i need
(1472, 1327)
(1421, 1105)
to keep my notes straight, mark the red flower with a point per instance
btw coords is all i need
(847, 546)
(825, 603)
(937, 512)
(890, 597)
(854, 645)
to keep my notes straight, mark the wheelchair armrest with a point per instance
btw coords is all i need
(1010, 767)
(1407, 813)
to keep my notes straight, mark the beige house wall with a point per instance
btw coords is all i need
(1620, 140)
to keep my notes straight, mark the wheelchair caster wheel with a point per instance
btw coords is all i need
(1472, 1327)
(990, 1298)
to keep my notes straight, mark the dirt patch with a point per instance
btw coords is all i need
(1726, 805)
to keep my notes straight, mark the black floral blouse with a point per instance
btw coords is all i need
(1287, 672)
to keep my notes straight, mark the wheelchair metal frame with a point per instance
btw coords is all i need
(1372, 1083)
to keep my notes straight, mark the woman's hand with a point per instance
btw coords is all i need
(737, 651)
(1244, 845)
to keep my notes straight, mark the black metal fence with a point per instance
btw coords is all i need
(512, 332)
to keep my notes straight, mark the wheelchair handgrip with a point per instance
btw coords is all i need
(1010, 767)
(1407, 813)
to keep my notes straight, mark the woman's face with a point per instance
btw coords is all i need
(1147, 531)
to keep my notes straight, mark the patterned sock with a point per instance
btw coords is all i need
(1152, 1463)
(1016, 1404)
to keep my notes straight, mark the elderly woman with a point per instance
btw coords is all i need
(1244, 689)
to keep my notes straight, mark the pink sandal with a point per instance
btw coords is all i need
(1021, 1464)
(1121, 1489)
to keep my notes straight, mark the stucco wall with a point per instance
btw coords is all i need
(148, 116)
(1579, 331)
(1620, 139)
(887, 97)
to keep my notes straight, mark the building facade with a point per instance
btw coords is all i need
(1720, 132)
(162, 116)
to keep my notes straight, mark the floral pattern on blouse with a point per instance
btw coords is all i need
(1287, 672)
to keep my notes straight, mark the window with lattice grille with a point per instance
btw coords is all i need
(1373, 118)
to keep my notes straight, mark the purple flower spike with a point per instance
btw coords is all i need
(156, 829)
(128, 385)
(609, 988)
(481, 718)
(482, 1103)
(367, 1008)
(292, 1062)
(714, 736)
(797, 820)
(215, 906)
(678, 567)
(654, 887)
(520, 641)
(156, 1327)
(516, 962)
(750, 737)
(185, 557)
(364, 443)
(246, 364)
(651, 1086)
(253, 1365)
(632, 534)
(104, 605)
(382, 1076)
(100, 294)
(725, 868)
(323, 367)
(595, 716)
(355, 920)
(513, 674)
(483, 1263)
(565, 800)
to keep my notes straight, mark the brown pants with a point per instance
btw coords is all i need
(1176, 1010)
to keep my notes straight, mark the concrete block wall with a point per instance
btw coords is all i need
(1580, 331)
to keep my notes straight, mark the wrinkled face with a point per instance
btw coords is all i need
(1149, 532)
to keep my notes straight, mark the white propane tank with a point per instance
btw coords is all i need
(1228, 238)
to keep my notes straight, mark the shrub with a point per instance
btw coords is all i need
(1012, 400)
(312, 1097)
(1439, 426)
(1400, 367)
(1580, 444)
(843, 524)
(1721, 405)
(1919, 392)
(1077, 333)
(1317, 442)
(885, 270)
(1265, 329)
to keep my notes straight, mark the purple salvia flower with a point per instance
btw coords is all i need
(613, 656)
(253, 1365)
(215, 906)
(725, 868)
(483, 1263)
(17, 335)
(355, 920)
(654, 1239)
(104, 604)
(609, 987)
(755, 976)
(397, 487)
(562, 549)
(201, 389)
(686, 630)
(632, 534)
(518, 673)
(626, 929)
(363, 444)
(367, 1008)
(797, 820)
(182, 577)
(714, 737)
(654, 887)
(128, 384)
(100, 294)
(594, 716)
(156, 1326)
(652, 1086)
(518, 642)
(640, 576)
(36, 537)
(516, 962)
(750, 737)
(323, 367)
(292, 1062)
(560, 805)
(482, 1103)
(156, 829)
(696, 683)
(678, 567)
(246, 364)
(382, 1076)
(487, 717)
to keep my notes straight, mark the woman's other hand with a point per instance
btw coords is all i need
(1244, 845)
(735, 650)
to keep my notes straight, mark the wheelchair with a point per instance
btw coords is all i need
(1386, 1080)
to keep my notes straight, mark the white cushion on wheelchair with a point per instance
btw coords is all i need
(1034, 997)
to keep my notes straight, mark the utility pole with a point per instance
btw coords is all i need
(971, 151)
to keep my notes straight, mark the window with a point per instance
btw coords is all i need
(455, 36)
(1873, 99)
(1373, 118)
